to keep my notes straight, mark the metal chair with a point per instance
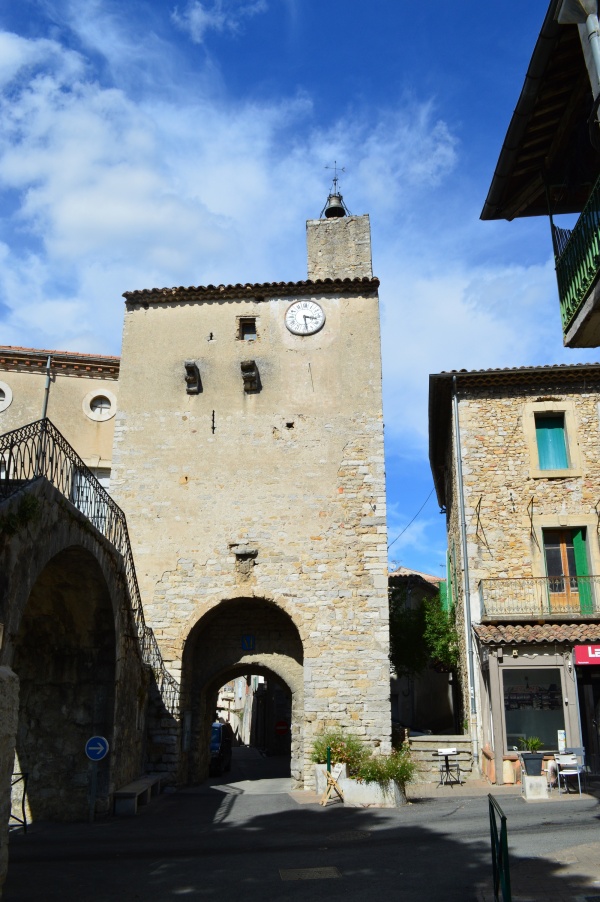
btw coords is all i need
(568, 766)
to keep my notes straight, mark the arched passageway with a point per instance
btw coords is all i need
(239, 637)
(65, 659)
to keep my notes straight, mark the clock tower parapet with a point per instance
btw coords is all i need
(339, 248)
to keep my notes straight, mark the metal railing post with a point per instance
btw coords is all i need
(499, 841)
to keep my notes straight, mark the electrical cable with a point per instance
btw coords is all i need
(413, 519)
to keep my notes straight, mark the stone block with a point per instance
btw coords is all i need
(535, 789)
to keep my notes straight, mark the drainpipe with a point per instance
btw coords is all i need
(47, 388)
(593, 35)
(466, 584)
(584, 14)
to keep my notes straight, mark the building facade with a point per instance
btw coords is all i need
(241, 432)
(514, 454)
(78, 392)
(248, 457)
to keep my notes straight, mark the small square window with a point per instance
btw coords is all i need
(247, 330)
(551, 441)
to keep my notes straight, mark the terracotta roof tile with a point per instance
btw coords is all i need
(406, 571)
(16, 349)
(536, 633)
(254, 289)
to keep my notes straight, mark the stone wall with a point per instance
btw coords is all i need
(424, 752)
(9, 708)
(276, 495)
(339, 248)
(69, 636)
(510, 501)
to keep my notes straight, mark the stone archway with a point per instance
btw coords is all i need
(236, 637)
(65, 658)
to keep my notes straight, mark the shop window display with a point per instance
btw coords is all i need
(533, 706)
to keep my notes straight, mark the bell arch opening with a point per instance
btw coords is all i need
(239, 638)
(65, 658)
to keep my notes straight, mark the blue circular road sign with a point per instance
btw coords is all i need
(96, 748)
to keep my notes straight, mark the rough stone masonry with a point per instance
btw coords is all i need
(259, 483)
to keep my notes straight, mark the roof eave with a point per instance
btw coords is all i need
(539, 60)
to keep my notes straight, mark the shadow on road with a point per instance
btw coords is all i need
(219, 841)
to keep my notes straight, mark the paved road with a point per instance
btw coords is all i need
(245, 837)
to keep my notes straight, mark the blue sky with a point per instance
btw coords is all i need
(147, 143)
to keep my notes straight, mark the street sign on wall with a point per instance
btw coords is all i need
(96, 748)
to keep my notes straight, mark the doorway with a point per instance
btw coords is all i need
(252, 639)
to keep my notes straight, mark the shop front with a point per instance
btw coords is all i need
(587, 668)
(527, 691)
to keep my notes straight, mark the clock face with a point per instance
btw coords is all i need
(304, 318)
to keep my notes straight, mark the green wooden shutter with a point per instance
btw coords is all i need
(551, 443)
(444, 595)
(581, 566)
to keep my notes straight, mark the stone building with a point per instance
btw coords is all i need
(246, 451)
(248, 457)
(78, 392)
(514, 455)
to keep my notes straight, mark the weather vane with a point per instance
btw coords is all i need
(335, 176)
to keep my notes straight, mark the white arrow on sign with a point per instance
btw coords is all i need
(96, 748)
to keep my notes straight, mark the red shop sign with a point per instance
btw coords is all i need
(587, 654)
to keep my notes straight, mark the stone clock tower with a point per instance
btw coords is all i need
(249, 460)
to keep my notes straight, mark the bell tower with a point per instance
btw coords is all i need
(338, 244)
(249, 460)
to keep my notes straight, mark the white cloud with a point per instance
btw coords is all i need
(20, 57)
(115, 189)
(115, 192)
(198, 18)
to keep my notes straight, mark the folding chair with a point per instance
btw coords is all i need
(568, 766)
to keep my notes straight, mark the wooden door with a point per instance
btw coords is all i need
(563, 586)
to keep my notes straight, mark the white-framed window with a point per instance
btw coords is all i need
(551, 432)
(100, 405)
(6, 396)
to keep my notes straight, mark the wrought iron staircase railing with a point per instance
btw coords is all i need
(40, 450)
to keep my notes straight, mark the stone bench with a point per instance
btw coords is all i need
(139, 792)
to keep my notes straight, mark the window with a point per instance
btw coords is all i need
(569, 586)
(99, 404)
(533, 705)
(551, 441)
(5, 396)
(247, 331)
(550, 428)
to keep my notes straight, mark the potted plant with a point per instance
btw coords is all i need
(345, 749)
(530, 755)
(390, 773)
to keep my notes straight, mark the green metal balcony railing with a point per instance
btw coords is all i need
(540, 598)
(578, 259)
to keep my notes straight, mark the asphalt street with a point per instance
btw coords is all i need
(244, 836)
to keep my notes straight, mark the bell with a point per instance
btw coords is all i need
(334, 206)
